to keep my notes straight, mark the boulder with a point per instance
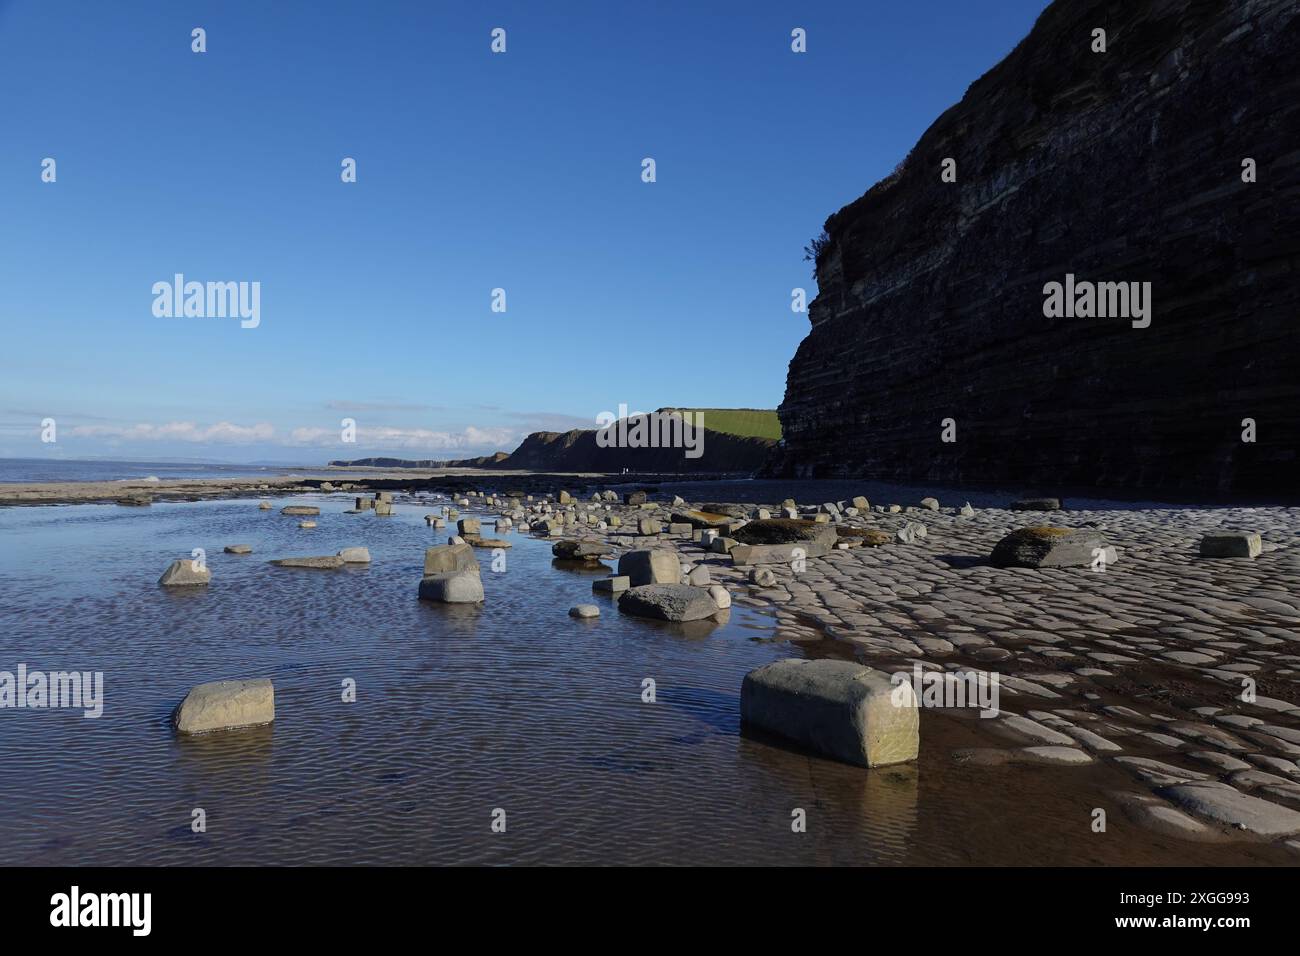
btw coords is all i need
(584, 610)
(364, 504)
(563, 497)
(699, 576)
(453, 587)
(763, 577)
(634, 498)
(468, 526)
(967, 511)
(930, 504)
(264, 506)
(185, 573)
(613, 584)
(589, 551)
(238, 549)
(911, 532)
(668, 602)
(648, 526)
(720, 595)
(1048, 547)
(835, 708)
(226, 705)
(1233, 544)
(355, 555)
(383, 509)
(299, 510)
(861, 503)
(650, 567)
(1036, 504)
(449, 557)
(306, 524)
(323, 562)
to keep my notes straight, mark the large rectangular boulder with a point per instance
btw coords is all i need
(1232, 544)
(835, 708)
(1049, 547)
(453, 587)
(668, 602)
(651, 566)
(449, 557)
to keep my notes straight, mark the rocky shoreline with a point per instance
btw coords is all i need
(1169, 661)
(1165, 657)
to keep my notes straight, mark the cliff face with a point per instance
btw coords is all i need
(1117, 166)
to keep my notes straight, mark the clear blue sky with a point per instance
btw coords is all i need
(475, 171)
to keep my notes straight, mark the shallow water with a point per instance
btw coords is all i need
(459, 711)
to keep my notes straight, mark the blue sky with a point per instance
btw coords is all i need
(475, 171)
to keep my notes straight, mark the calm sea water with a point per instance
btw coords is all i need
(56, 469)
(459, 711)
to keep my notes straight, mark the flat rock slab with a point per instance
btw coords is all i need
(323, 562)
(1239, 544)
(1036, 504)
(835, 708)
(701, 519)
(185, 573)
(300, 510)
(238, 549)
(226, 705)
(743, 555)
(1222, 804)
(668, 602)
(785, 531)
(475, 541)
(355, 555)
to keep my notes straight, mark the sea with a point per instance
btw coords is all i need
(14, 470)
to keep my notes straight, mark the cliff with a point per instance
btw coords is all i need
(577, 450)
(1119, 166)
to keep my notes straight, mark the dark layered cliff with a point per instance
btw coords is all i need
(1122, 166)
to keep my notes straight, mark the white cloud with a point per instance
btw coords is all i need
(223, 433)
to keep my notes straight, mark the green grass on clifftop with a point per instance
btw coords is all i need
(742, 422)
